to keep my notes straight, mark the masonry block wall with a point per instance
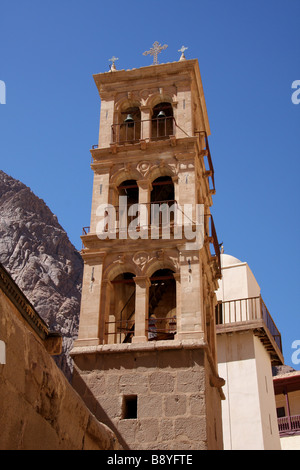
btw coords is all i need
(170, 387)
(39, 408)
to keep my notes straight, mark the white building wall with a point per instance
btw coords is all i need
(266, 396)
(238, 281)
(249, 411)
(290, 443)
(242, 429)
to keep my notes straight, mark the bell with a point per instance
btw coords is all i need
(129, 120)
(161, 114)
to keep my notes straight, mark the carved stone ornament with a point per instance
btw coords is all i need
(141, 259)
(120, 259)
(143, 167)
(144, 94)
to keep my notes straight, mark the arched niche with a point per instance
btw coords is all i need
(128, 190)
(162, 201)
(162, 305)
(129, 127)
(162, 121)
(120, 325)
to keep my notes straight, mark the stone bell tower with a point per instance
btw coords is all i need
(145, 357)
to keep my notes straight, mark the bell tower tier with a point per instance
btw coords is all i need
(146, 348)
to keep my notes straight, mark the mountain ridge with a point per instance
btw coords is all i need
(36, 251)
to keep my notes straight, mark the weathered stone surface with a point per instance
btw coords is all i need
(162, 382)
(36, 251)
(175, 405)
(39, 408)
(172, 403)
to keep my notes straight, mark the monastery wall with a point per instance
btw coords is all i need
(39, 408)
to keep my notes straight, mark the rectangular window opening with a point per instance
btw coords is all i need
(280, 412)
(130, 407)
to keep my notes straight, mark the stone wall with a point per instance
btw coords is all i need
(178, 406)
(39, 408)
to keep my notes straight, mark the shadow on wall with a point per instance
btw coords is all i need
(95, 408)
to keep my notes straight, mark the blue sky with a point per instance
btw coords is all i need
(248, 53)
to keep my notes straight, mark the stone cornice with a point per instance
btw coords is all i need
(182, 146)
(140, 347)
(108, 80)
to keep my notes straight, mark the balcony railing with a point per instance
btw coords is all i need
(157, 329)
(244, 311)
(210, 173)
(289, 425)
(85, 230)
(155, 129)
(214, 244)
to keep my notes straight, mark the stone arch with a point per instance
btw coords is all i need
(120, 293)
(158, 264)
(123, 103)
(117, 267)
(162, 306)
(160, 170)
(156, 98)
(124, 130)
(161, 126)
(124, 174)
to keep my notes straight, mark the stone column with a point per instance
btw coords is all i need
(106, 119)
(113, 196)
(191, 322)
(146, 123)
(184, 114)
(186, 190)
(104, 327)
(178, 302)
(145, 188)
(142, 284)
(88, 333)
(100, 194)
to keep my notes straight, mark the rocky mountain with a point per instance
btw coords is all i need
(38, 254)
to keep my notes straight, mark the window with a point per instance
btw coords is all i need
(130, 126)
(130, 407)
(280, 412)
(162, 121)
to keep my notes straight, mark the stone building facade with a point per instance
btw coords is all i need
(145, 357)
(39, 408)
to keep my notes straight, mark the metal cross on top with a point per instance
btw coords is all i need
(155, 50)
(113, 60)
(182, 49)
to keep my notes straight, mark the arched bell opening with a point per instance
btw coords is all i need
(162, 306)
(120, 328)
(162, 121)
(127, 189)
(130, 125)
(162, 189)
(162, 201)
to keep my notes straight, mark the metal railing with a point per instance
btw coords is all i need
(122, 329)
(157, 329)
(161, 328)
(247, 310)
(214, 243)
(155, 129)
(210, 173)
(289, 424)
